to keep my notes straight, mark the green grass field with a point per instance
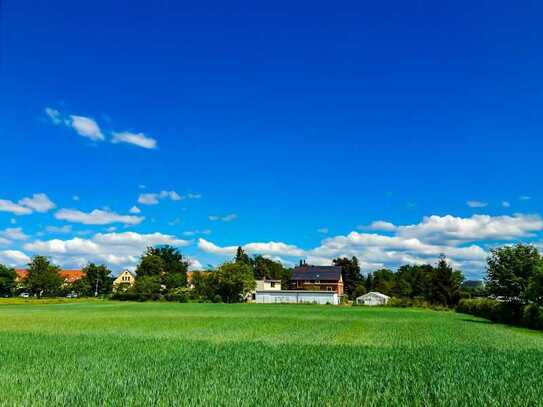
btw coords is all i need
(108, 353)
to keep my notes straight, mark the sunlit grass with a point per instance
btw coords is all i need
(108, 353)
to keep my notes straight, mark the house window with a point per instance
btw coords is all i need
(272, 284)
(329, 288)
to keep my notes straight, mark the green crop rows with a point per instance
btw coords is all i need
(108, 353)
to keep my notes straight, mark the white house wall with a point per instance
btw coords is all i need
(297, 297)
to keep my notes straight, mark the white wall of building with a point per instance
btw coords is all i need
(297, 297)
(268, 285)
(372, 299)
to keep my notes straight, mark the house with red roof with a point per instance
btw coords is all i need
(69, 276)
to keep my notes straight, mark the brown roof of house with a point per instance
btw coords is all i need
(327, 273)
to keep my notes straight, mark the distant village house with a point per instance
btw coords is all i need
(69, 276)
(126, 278)
(308, 284)
(317, 278)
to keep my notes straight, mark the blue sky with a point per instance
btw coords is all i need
(289, 128)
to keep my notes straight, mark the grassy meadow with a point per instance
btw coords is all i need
(110, 353)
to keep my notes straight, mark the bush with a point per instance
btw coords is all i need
(344, 300)
(507, 313)
(122, 295)
(481, 307)
(532, 317)
(414, 303)
(180, 294)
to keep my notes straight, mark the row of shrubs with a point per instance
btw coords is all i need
(529, 315)
(397, 302)
(175, 295)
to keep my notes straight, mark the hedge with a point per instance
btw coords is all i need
(508, 313)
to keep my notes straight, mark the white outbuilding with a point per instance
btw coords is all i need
(372, 298)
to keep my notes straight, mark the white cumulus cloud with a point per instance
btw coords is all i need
(13, 234)
(476, 204)
(379, 225)
(272, 248)
(154, 198)
(137, 139)
(59, 229)
(115, 249)
(38, 202)
(16, 209)
(14, 258)
(194, 264)
(462, 240)
(54, 115)
(86, 127)
(226, 218)
(97, 217)
(477, 227)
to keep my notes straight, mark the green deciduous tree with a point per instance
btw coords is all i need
(350, 272)
(147, 287)
(175, 266)
(509, 270)
(97, 280)
(267, 268)
(204, 284)
(360, 290)
(231, 282)
(234, 281)
(414, 281)
(384, 281)
(7, 280)
(150, 265)
(534, 291)
(439, 285)
(43, 277)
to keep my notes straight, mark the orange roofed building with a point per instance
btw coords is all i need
(69, 276)
(190, 276)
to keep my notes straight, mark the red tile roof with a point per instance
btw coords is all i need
(69, 276)
(72, 275)
(21, 274)
(190, 275)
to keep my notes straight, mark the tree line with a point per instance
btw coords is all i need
(436, 284)
(43, 279)
(513, 289)
(162, 273)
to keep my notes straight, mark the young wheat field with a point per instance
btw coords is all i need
(109, 353)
